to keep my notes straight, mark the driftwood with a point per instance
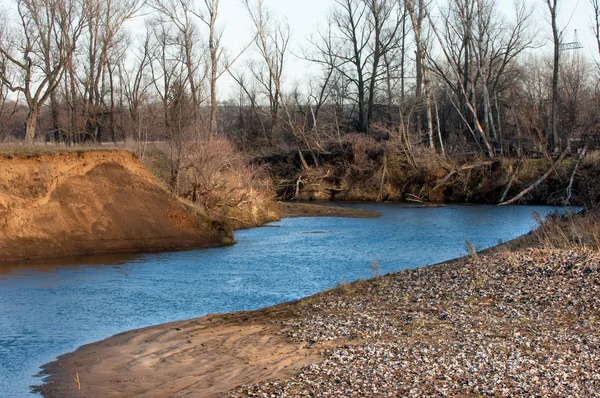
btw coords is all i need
(380, 196)
(538, 182)
(303, 160)
(300, 181)
(570, 187)
(513, 177)
(243, 222)
(413, 198)
(455, 171)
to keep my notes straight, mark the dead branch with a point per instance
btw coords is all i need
(303, 160)
(300, 181)
(413, 198)
(538, 182)
(570, 187)
(380, 196)
(455, 171)
(513, 177)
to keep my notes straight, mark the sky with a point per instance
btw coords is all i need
(304, 16)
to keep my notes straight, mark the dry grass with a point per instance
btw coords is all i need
(571, 231)
(592, 158)
(358, 287)
(19, 148)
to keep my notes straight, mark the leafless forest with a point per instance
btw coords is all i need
(447, 76)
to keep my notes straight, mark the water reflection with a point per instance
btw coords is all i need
(31, 267)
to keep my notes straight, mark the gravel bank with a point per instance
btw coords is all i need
(523, 323)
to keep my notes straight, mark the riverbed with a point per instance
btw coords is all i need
(47, 309)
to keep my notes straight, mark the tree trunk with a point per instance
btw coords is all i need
(552, 6)
(111, 119)
(418, 88)
(214, 64)
(363, 123)
(422, 68)
(402, 57)
(213, 103)
(427, 87)
(30, 125)
(54, 116)
(376, 59)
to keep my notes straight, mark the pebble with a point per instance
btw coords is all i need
(523, 323)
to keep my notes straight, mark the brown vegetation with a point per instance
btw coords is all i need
(570, 231)
(216, 178)
(364, 169)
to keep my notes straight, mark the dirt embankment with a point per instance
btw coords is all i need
(77, 203)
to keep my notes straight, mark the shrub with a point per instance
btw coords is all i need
(220, 182)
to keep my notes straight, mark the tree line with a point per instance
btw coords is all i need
(454, 76)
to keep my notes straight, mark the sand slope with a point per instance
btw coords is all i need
(205, 357)
(75, 203)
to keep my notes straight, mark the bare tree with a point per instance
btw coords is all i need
(7, 107)
(166, 70)
(385, 23)
(181, 14)
(556, 37)
(33, 60)
(323, 55)
(105, 20)
(271, 41)
(479, 49)
(217, 56)
(136, 84)
(596, 17)
(359, 47)
(216, 52)
(416, 12)
(498, 44)
(350, 20)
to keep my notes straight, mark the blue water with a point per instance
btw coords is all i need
(49, 309)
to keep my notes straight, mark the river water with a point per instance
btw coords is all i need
(50, 308)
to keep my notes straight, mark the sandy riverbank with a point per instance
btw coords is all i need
(81, 203)
(511, 322)
(204, 357)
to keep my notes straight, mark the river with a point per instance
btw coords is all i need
(50, 308)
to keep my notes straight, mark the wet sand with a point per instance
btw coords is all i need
(204, 357)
